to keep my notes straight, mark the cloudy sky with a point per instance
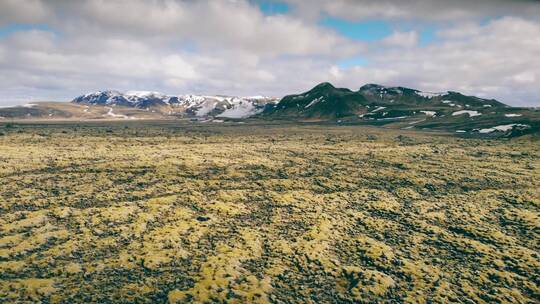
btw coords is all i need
(58, 49)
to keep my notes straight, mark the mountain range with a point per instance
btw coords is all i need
(191, 105)
(372, 104)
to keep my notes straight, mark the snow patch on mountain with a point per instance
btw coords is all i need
(470, 113)
(241, 110)
(391, 118)
(144, 94)
(430, 94)
(429, 113)
(114, 115)
(504, 128)
(205, 107)
(314, 101)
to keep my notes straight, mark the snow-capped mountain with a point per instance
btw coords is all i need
(130, 98)
(190, 105)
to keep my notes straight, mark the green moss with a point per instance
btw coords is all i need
(296, 213)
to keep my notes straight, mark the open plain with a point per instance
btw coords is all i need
(249, 213)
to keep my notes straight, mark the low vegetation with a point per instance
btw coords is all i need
(239, 213)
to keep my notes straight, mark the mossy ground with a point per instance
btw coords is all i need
(253, 214)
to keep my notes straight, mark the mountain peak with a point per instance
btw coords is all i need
(324, 85)
(326, 88)
(371, 86)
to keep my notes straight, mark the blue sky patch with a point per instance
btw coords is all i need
(355, 61)
(375, 30)
(269, 7)
(427, 36)
(14, 28)
(371, 30)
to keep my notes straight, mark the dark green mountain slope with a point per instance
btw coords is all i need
(401, 107)
(323, 101)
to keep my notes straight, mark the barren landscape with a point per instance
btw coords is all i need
(270, 151)
(252, 213)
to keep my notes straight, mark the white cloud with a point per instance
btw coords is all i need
(205, 24)
(231, 47)
(177, 67)
(402, 39)
(22, 11)
(496, 60)
(525, 78)
(227, 47)
(415, 9)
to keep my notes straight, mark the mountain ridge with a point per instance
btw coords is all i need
(371, 104)
(406, 108)
(192, 105)
(325, 96)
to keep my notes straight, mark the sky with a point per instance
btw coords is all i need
(55, 50)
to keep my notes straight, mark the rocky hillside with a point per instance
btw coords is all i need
(406, 108)
(325, 101)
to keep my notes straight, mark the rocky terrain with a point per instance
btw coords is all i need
(169, 211)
